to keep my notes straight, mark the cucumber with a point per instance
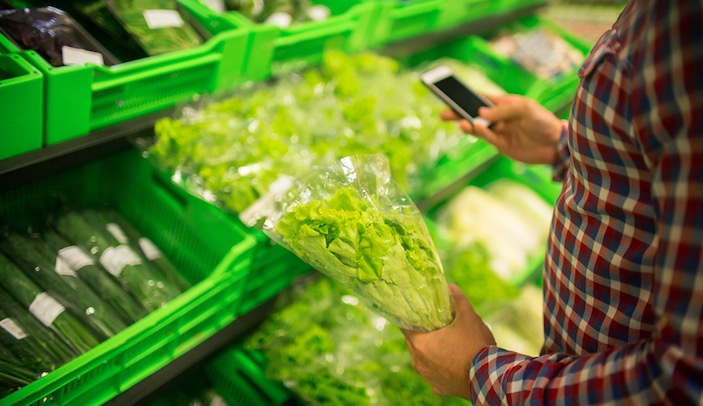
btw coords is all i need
(31, 258)
(40, 340)
(118, 259)
(146, 249)
(45, 307)
(95, 276)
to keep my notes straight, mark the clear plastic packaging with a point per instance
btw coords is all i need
(352, 222)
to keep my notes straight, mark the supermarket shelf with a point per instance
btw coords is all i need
(153, 384)
(471, 28)
(31, 166)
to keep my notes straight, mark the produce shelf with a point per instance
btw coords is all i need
(275, 50)
(80, 99)
(213, 253)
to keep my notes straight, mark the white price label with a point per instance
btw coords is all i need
(77, 56)
(75, 257)
(151, 251)
(162, 19)
(115, 259)
(45, 308)
(63, 268)
(217, 6)
(280, 19)
(117, 232)
(12, 328)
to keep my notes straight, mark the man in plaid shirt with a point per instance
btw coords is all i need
(623, 277)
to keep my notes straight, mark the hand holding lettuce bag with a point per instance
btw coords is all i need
(352, 222)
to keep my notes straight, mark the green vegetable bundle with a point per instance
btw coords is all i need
(329, 349)
(46, 308)
(86, 267)
(231, 148)
(37, 263)
(156, 24)
(353, 223)
(118, 259)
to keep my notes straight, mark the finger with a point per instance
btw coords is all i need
(461, 302)
(409, 334)
(489, 135)
(449, 115)
(467, 127)
(504, 111)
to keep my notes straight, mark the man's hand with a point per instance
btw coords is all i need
(522, 129)
(443, 357)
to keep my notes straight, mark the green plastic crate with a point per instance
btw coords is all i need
(399, 20)
(211, 252)
(239, 377)
(275, 50)
(275, 269)
(458, 12)
(21, 102)
(80, 99)
(536, 177)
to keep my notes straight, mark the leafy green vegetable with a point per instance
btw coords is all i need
(386, 257)
(327, 348)
(157, 39)
(230, 150)
(45, 308)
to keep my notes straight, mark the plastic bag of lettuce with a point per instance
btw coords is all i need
(329, 349)
(230, 148)
(351, 222)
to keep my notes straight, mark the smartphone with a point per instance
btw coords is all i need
(464, 101)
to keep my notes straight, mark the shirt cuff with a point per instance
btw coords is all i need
(562, 163)
(489, 372)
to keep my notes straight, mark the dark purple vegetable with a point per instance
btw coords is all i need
(48, 30)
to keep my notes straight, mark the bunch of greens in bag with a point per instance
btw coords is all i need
(231, 150)
(329, 349)
(156, 24)
(352, 222)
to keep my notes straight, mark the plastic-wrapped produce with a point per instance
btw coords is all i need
(56, 36)
(156, 24)
(353, 223)
(62, 283)
(540, 51)
(118, 259)
(279, 12)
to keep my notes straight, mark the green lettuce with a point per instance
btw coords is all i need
(386, 257)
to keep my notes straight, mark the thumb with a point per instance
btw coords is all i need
(461, 302)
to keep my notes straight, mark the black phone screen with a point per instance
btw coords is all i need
(462, 96)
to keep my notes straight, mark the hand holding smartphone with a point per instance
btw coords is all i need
(465, 102)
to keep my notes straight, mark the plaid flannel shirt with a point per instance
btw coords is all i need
(623, 276)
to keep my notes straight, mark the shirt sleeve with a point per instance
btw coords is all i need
(666, 368)
(562, 163)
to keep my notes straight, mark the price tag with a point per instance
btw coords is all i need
(162, 19)
(77, 56)
(115, 259)
(75, 257)
(149, 249)
(63, 268)
(280, 19)
(12, 328)
(45, 308)
(117, 232)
